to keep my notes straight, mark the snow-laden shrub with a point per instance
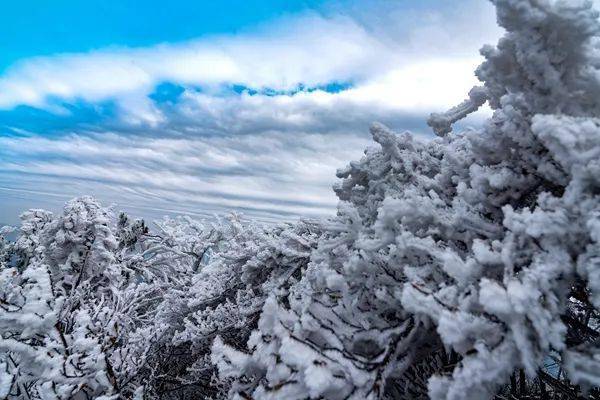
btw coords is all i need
(462, 256)
(92, 306)
(243, 264)
(55, 331)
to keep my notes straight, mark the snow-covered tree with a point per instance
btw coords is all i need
(236, 265)
(112, 308)
(77, 302)
(50, 343)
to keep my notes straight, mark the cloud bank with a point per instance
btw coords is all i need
(257, 121)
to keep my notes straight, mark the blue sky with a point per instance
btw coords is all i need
(41, 27)
(202, 107)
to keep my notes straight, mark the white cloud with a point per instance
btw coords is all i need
(209, 152)
(409, 50)
(312, 51)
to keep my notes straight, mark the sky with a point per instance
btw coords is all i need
(204, 107)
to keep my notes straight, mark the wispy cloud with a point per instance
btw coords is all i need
(263, 174)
